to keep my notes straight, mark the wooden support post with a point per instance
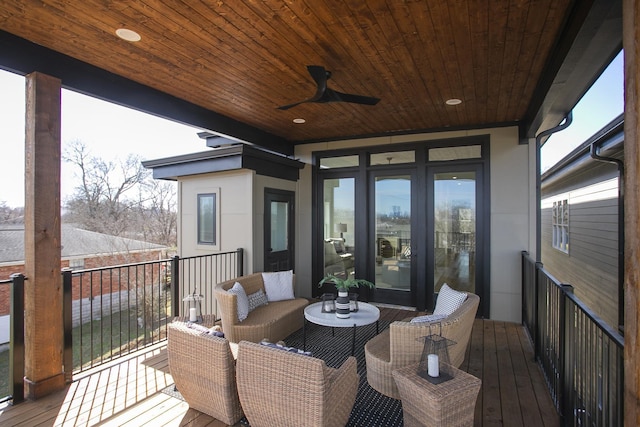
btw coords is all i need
(44, 338)
(630, 37)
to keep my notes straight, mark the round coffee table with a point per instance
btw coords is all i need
(366, 315)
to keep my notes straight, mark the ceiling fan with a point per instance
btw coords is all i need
(325, 94)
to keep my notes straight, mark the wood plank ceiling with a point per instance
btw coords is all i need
(244, 58)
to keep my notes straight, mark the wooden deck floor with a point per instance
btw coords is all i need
(128, 393)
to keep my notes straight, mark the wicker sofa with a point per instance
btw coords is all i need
(279, 388)
(274, 321)
(399, 345)
(203, 369)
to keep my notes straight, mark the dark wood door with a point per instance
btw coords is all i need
(278, 229)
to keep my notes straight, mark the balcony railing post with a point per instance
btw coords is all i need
(564, 353)
(67, 318)
(537, 332)
(240, 255)
(16, 348)
(175, 285)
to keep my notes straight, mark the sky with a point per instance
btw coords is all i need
(601, 104)
(113, 132)
(109, 131)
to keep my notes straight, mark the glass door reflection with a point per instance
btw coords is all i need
(339, 227)
(393, 232)
(454, 230)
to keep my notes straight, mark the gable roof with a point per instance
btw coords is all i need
(76, 243)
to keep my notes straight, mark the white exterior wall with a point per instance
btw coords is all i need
(236, 225)
(241, 213)
(512, 178)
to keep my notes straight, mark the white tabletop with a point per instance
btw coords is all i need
(366, 315)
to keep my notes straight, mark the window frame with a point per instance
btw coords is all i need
(215, 243)
(560, 225)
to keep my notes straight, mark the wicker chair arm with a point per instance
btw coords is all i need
(228, 307)
(342, 383)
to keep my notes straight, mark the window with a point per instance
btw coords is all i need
(455, 153)
(560, 225)
(208, 219)
(339, 162)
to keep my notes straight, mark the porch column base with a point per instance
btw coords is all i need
(38, 389)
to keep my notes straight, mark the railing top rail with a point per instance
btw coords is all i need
(114, 267)
(9, 281)
(208, 255)
(528, 257)
(612, 333)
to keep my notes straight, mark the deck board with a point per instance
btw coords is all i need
(128, 392)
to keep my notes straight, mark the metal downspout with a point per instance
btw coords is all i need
(620, 164)
(563, 125)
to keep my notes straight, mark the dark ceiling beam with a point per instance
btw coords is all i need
(23, 57)
(591, 39)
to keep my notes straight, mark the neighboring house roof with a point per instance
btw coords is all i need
(610, 143)
(76, 243)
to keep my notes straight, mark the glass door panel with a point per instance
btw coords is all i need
(454, 230)
(339, 227)
(279, 226)
(393, 232)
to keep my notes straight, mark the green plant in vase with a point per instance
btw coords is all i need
(343, 285)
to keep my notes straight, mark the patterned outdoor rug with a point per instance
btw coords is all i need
(371, 408)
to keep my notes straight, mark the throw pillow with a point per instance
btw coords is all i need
(428, 318)
(257, 299)
(215, 331)
(242, 301)
(281, 346)
(278, 285)
(449, 300)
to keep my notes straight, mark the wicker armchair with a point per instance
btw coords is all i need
(399, 346)
(278, 388)
(203, 369)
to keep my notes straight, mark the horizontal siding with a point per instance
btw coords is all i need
(591, 266)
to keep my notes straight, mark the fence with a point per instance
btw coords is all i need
(581, 356)
(110, 312)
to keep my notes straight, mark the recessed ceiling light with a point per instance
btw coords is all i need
(453, 101)
(128, 35)
(299, 121)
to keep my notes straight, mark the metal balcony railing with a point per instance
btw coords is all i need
(581, 356)
(110, 312)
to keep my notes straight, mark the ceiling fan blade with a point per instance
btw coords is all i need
(286, 107)
(323, 94)
(320, 76)
(355, 99)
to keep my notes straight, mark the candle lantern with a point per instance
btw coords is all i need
(194, 306)
(435, 365)
(328, 303)
(353, 302)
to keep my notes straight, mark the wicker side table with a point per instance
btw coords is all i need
(451, 403)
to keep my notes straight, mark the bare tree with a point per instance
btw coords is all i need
(9, 215)
(157, 208)
(120, 198)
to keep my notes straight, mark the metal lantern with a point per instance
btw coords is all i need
(328, 303)
(353, 302)
(435, 365)
(195, 306)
